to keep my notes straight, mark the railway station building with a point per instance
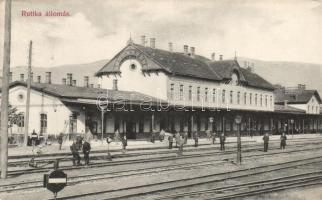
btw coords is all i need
(146, 89)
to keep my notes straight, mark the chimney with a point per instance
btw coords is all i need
(64, 81)
(115, 84)
(301, 86)
(143, 40)
(152, 43)
(74, 83)
(48, 77)
(38, 79)
(69, 79)
(213, 57)
(170, 46)
(192, 52)
(10, 77)
(22, 77)
(220, 57)
(185, 49)
(86, 81)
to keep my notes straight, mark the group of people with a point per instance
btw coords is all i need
(76, 147)
(181, 139)
(283, 139)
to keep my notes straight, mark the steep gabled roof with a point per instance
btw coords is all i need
(301, 97)
(179, 64)
(73, 92)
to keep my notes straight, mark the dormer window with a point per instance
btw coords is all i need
(234, 79)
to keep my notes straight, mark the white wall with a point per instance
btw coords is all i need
(57, 113)
(311, 107)
(186, 82)
(153, 84)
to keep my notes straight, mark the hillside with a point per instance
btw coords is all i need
(288, 73)
(59, 72)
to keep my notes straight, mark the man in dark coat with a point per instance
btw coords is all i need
(213, 135)
(170, 139)
(222, 139)
(283, 140)
(34, 137)
(196, 138)
(60, 140)
(86, 150)
(266, 139)
(74, 149)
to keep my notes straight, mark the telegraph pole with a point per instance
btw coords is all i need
(28, 95)
(5, 90)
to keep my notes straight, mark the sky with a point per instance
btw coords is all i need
(273, 30)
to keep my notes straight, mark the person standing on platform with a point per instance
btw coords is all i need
(177, 137)
(208, 133)
(153, 136)
(60, 140)
(124, 142)
(34, 138)
(213, 136)
(117, 137)
(170, 139)
(283, 140)
(196, 138)
(86, 150)
(266, 139)
(74, 149)
(185, 137)
(222, 142)
(162, 135)
(181, 143)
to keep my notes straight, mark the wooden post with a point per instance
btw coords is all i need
(28, 96)
(191, 135)
(5, 90)
(102, 118)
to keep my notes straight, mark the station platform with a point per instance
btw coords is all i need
(134, 145)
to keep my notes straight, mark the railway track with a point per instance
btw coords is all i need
(22, 161)
(106, 163)
(140, 171)
(142, 190)
(251, 188)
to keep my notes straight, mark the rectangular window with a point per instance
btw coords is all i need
(43, 123)
(250, 98)
(206, 94)
(171, 91)
(266, 100)
(271, 100)
(21, 120)
(214, 95)
(190, 93)
(256, 100)
(245, 98)
(231, 97)
(223, 96)
(261, 100)
(198, 93)
(181, 92)
(238, 97)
